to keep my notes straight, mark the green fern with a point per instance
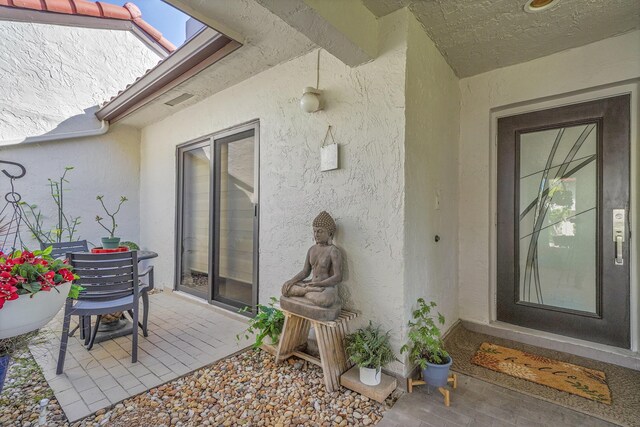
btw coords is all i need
(369, 347)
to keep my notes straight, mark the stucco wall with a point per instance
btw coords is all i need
(582, 69)
(53, 76)
(53, 80)
(365, 106)
(107, 165)
(431, 158)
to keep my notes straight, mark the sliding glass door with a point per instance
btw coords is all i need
(217, 255)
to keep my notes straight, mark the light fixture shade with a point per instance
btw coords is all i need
(310, 101)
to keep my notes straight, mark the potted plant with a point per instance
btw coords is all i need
(369, 348)
(33, 288)
(110, 242)
(425, 345)
(266, 325)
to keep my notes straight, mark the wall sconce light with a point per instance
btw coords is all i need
(310, 101)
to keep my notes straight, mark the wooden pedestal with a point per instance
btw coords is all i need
(330, 336)
(453, 380)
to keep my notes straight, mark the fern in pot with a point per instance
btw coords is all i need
(370, 350)
(425, 346)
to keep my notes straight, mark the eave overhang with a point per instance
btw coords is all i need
(203, 50)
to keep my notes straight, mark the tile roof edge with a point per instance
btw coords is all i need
(128, 12)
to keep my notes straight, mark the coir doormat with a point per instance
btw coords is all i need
(574, 379)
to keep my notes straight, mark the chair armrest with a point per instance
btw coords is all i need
(149, 271)
(146, 271)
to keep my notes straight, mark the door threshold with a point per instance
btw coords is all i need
(204, 302)
(603, 353)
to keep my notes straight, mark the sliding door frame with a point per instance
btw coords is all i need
(214, 142)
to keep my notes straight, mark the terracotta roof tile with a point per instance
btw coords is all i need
(128, 12)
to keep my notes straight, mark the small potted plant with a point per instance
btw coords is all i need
(425, 345)
(110, 242)
(369, 348)
(266, 325)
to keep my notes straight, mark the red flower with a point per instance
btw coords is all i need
(7, 293)
(67, 276)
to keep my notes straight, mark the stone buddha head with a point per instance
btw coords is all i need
(324, 227)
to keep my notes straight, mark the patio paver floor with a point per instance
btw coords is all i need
(478, 403)
(183, 336)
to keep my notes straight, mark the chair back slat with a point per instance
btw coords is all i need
(92, 265)
(106, 276)
(100, 280)
(105, 257)
(60, 249)
(99, 272)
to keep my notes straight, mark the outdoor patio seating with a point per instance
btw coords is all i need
(111, 284)
(61, 249)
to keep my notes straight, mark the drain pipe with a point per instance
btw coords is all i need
(104, 127)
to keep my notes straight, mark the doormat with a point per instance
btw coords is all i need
(624, 409)
(574, 379)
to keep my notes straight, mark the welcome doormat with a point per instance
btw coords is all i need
(574, 379)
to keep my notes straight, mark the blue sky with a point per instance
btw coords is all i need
(165, 18)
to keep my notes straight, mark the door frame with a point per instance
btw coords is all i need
(211, 138)
(628, 87)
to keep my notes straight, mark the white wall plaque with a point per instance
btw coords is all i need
(329, 157)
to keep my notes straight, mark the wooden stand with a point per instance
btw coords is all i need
(330, 336)
(453, 380)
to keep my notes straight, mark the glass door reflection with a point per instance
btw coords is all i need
(235, 272)
(194, 222)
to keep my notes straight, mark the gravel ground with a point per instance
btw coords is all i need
(23, 389)
(248, 389)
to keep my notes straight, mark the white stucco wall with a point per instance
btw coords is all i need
(108, 165)
(365, 106)
(578, 71)
(53, 76)
(431, 176)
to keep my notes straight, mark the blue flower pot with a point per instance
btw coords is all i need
(436, 375)
(4, 367)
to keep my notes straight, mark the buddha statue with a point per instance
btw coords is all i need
(317, 298)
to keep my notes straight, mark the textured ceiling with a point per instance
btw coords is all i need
(480, 35)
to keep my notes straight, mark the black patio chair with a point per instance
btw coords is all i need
(111, 284)
(61, 249)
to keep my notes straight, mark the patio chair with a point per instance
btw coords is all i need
(61, 249)
(111, 284)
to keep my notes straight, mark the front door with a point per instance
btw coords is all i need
(563, 220)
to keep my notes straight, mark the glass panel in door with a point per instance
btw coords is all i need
(235, 205)
(558, 189)
(194, 232)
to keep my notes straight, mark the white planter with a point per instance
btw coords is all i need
(370, 376)
(27, 314)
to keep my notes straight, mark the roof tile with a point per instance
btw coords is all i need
(113, 11)
(60, 6)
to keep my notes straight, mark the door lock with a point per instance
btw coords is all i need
(618, 234)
